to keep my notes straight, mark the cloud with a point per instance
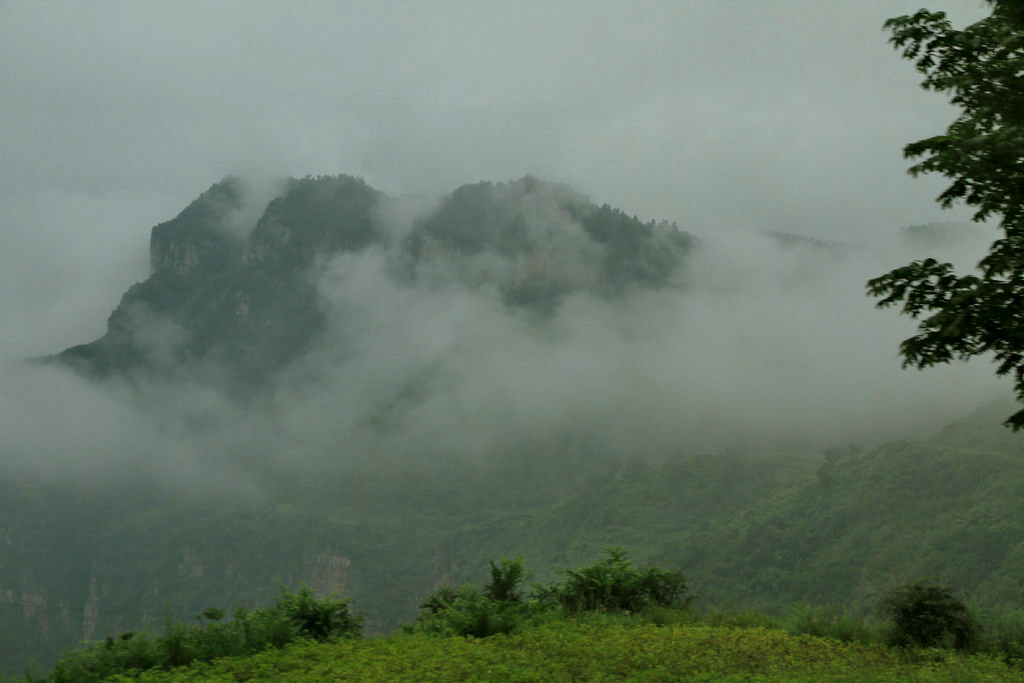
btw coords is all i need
(727, 118)
(762, 344)
(690, 111)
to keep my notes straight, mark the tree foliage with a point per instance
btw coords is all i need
(614, 584)
(294, 616)
(468, 611)
(925, 615)
(981, 68)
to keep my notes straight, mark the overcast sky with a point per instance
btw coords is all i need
(768, 114)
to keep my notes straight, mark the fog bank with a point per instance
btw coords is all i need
(763, 343)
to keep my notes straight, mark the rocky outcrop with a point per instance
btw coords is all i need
(91, 609)
(197, 240)
(236, 292)
(330, 572)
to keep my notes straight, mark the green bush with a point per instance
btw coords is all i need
(1002, 634)
(611, 585)
(468, 612)
(615, 584)
(319, 619)
(925, 615)
(733, 617)
(507, 579)
(293, 617)
(499, 608)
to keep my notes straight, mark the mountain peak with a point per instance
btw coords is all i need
(232, 287)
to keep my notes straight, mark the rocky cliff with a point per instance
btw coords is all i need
(235, 301)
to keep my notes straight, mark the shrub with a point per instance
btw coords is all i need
(507, 579)
(294, 616)
(468, 612)
(614, 584)
(925, 615)
(1003, 634)
(319, 619)
(733, 617)
(499, 608)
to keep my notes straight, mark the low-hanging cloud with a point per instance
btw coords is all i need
(761, 343)
(780, 116)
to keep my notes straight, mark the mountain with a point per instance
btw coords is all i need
(319, 384)
(240, 302)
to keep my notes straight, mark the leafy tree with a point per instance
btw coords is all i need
(929, 616)
(614, 584)
(981, 68)
(294, 616)
(318, 618)
(506, 580)
(499, 608)
(468, 612)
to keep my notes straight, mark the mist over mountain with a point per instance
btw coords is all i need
(237, 294)
(375, 383)
(318, 320)
(317, 379)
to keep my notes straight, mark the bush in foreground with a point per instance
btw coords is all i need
(568, 650)
(614, 584)
(468, 611)
(610, 585)
(925, 615)
(294, 616)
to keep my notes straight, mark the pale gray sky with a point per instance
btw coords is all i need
(768, 114)
(727, 116)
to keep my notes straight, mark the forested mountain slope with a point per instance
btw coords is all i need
(765, 531)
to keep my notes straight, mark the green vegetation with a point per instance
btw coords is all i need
(499, 608)
(929, 616)
(596, 650)
(762, 531)
(981, 69)
(537, 259)
(610, 585)
(614, 585)
(294, 616)
(607, 619)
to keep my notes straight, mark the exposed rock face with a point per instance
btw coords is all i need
(191, 566)
(241, 298)
(91, 609)
(196, 240)
(242, 304)
(330, 572)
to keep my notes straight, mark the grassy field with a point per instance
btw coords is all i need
(596, 651)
